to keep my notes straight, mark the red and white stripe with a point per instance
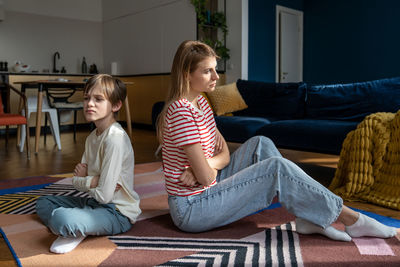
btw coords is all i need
(186, 125)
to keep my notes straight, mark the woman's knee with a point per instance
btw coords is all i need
(261, 139)
(264, 143)
(275, 162)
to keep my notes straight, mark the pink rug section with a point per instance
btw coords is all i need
(151, 188)
(373, 246)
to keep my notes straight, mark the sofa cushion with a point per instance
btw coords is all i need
(225, 99)
(325, 136)
(278, 100)
(238, 128)
(353, 101)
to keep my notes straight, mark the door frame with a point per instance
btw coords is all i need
(298, 13)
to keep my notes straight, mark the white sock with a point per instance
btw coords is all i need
(367, 226)
(65, 244)
(307, 228)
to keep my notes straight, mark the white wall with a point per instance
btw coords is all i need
(33, 31)
(142, 36)
(237, 39)
(73, 9)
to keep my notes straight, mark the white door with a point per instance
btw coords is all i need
(289, 45)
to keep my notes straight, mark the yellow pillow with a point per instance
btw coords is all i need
(226, 99)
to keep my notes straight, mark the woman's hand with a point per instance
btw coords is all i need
(221, 155)
(188, 178)
(81, 170)
(219, 143)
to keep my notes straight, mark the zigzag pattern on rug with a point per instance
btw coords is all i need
(273, 247)
(25, 202)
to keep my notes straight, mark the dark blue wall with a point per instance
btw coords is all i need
(344, 40)
(262, 37)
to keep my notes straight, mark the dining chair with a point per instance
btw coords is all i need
(7, 118)
(59, 98)
(51, 114)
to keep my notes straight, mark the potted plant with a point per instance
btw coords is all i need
(209, 23)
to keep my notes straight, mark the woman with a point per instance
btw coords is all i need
(209, 188)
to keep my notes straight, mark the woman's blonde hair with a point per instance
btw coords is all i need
(112, 88)
(187, 57)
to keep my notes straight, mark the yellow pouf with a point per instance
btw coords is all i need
(369, 164)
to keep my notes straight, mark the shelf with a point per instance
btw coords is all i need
(213, 34)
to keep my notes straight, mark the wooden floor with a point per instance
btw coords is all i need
(49, 160)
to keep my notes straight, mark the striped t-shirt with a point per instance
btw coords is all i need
(185, 125)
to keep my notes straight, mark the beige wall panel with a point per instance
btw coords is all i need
(142, 94)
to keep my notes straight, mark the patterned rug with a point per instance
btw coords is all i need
(267, 238)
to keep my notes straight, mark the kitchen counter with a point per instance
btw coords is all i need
(44, 73)
(143, 91)
(86, 74)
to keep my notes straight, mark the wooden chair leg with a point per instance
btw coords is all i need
(7, 128)
(45, 128)
(28, 150)
(75, 125)
(18, 134)
(59, 122)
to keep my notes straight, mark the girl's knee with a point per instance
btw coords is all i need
(42, 201)
(62, 223)
(61, 216)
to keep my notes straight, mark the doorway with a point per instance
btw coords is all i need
(289, 45)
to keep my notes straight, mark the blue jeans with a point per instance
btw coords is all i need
(76, 216)
(256, 174)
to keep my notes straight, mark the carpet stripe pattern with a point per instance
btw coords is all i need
(278, 246)
(284, 246)
(25, 202)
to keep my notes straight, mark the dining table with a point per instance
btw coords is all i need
(42, 85)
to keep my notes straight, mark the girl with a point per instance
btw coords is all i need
(209, 188)
(105, 172)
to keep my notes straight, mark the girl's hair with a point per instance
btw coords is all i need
(112, 88)
(187, 57)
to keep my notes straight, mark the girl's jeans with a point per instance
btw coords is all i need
(256, 174)
(76, 216)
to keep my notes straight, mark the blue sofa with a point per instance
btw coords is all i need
(307, 117)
